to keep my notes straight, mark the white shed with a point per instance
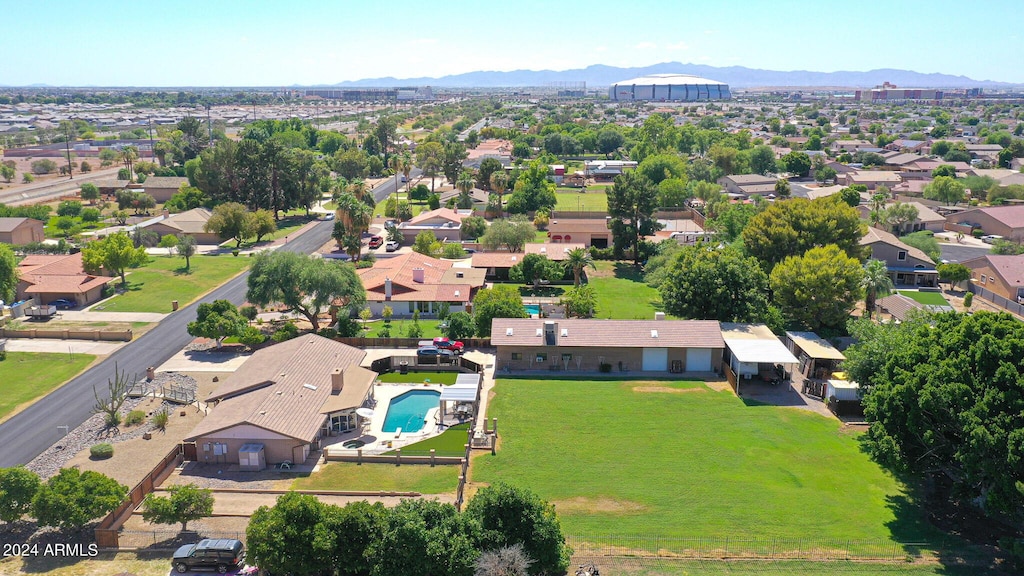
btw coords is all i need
(251, 457)
(842, 390)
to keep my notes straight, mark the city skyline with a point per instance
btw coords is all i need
(317, 42)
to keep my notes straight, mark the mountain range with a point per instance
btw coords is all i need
(735, 76)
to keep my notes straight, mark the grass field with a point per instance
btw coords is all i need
(399, 329)
(622, 293)
(446, 378)
(152, 287)
(926, 298)
(449, 443)
(383, 477)
(681, 460)
(589, 201)
(26, 376)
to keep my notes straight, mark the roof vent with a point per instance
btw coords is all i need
(654, 333)
(460, 274)
(514, 258)
(543, 249)
(456, 293)
(508, 332)
(309, 386)
(540, 332)
(263, 412)
(279, 392)
(565, 332)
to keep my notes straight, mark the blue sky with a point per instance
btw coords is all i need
(280, 43)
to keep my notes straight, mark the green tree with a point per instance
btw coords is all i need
(473, 227)
(577, 260)
(186, 198)
(819, 288)
(8, 273)
(7, 172)
(44, 166)
(218, 320)
(511, 233)
(169, 241)
(707, 283)
(797, 163)
(762, 160)
(782, 188)
(69, 208)
(659, 167)
(954, 273)
(116, 253)
(730, 221)
(186, 503)
(673, 193)
(944, 170)
(946, 190)
(465, 184)
(535, 268)
(427, 244)
(187, 249)
(460, 326)
(510, 515)
(924, 241)
(488, 167)
(876, 283)
(345, 534)
(231, 221)
(305, 284)
(283, 539)
(263, 224)
(425, 537)
(533, 190)
(72, 498)
(430, 157)
(942, 398)
(632, 201)
(451, 165)
(824, 174)
(579, 301)
(499, 183)
(89, 192)
(792, 227)
(501, 301)
(452, 251)
(18, 486)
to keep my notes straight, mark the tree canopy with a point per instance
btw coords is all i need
(305, 284)
(18, 486)
(819, 288)
(116, 253)
(501, 301)
(185, 503)
(708, 283)
(510, 233)
(219, 319)
(8, 273)
(232, 221)
(945, 189)
(73, 498)
(792, 227)
(632, 201)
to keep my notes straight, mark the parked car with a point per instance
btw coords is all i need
(446, 344)
(435, 352)
(991, 238)
(217, 554)
(64, 304)
(376, 242)
(391, 246)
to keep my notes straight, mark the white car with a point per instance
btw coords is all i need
(991, 238)
(391, 246)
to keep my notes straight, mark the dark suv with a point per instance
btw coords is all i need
(434, 354)
(220, 555)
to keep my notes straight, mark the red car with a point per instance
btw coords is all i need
(446, 344)
(376, 242)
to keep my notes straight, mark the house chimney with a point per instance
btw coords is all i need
(387, 289)
(659, 315)
(417, 275)
(165, 213)
(337, 380)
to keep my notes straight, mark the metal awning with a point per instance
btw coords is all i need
(814, 346)
(459, 392)
(760, 351)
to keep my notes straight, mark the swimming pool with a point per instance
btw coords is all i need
(408, 410)
(532, 309)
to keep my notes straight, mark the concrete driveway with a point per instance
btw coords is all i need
(194, 361)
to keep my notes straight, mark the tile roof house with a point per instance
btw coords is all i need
(20, 231)
(1003, 275)
(161, 188)
(871, 178)
(412, 281)
(908, 266)
(588, 231)
(444, 223)
(50, 277)
(623, 345)
(190, 222)
(286, 397)
(1005, 221)
(497, 264)
(748, 184)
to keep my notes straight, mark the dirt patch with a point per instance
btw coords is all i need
(667, 389)
(581, 504)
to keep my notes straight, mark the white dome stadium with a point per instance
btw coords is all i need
(669, 88)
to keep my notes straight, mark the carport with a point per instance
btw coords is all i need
(818, 359)
(753, 350)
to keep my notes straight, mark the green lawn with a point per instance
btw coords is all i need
(693, 463)
(451, 442)
(26, 376)
(399, 329)
(589, 201)
(152, 287)
(926, 298)
(383, 477)
(622, 293)
(446, 378)
(643, 567)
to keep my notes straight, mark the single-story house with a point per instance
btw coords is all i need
(497, 264)
(818, 359)
(748, 184)
(927, 219)
(444, 223)
(191, 223)
(922, 169)
(1005, 221)
(872, 178)
(161, 188)
(287, 398)
(898, 307)
(500, 150)
(20, 231)
(479, 196)
(50, 277)
(413, 281)
(604, 170)
(753, 350)
(588, 231)
(851, 146)
(617, 345)
(900, 160)
(1002, 275)
(908, 266)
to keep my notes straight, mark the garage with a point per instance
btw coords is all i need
(656, 360)
(698, 360)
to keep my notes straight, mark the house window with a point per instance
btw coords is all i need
(982, 278)
(901, 255)
(566, 357)
(517, 355)
(542, 356)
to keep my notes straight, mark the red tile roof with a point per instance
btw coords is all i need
(57, 274)
(437, 286)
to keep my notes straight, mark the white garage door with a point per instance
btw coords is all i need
(655, 360)
(698, 360)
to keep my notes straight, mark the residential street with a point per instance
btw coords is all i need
(31, 431)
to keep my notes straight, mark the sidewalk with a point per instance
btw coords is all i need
(62, 346)
(90, 316)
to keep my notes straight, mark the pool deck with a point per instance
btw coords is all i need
(373, 434)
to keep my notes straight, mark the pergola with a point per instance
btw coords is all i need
(818, 358)
(463, 395)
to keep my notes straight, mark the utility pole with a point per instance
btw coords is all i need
(209, 125)
(254, 108)
(67, 149)
(152, 148)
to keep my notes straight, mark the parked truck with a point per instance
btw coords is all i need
(46, 311)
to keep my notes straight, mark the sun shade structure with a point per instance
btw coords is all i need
(753, 349)
(462, 393)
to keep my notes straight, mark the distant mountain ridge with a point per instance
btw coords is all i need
(736, 76)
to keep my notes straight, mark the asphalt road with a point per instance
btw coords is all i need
(33, 430)
(49, 190)
(388, 186)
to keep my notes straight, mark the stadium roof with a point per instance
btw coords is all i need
(667, 79)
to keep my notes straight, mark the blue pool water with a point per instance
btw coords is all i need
(408, 410)
(532, 309)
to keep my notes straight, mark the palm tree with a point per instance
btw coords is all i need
(406, 168)
(129, 154)
(577, 259)
(465, 184)
(499, 182)
(360, 190)
(397, 164)
(876, 283)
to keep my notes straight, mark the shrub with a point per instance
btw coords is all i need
(977, 232)
(286, 332)
(101, 451)
(248, 311)
(160, 420)
(134, 418)
(112, 420)
(3, 355)
(90, 215)
(602, 253)
(363, 264)
(251, 336)
(968, 299)
(329, 333)
(235, 252)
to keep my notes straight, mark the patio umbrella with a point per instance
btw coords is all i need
(365, 412)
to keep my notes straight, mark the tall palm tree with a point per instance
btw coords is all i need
(876, 283)
(129, 154)
(577, 259)
(499, 183)
(406, 168)
(360, 190)
(397, 164)
(465, 184)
